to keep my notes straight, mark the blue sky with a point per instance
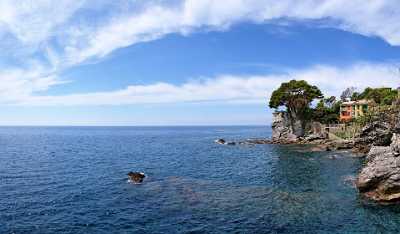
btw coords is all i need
(185, 62)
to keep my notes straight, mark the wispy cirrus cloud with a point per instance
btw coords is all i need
(378, 18)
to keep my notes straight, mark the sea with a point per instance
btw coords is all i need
(74, 180)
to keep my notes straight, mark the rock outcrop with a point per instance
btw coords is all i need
(136, 177)
(379, 131)
(380, 178)
(223, 142)
(220, 141)
(376, 133)
(282, 128)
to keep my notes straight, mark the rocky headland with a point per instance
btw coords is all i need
(378, 141)
(367, 123)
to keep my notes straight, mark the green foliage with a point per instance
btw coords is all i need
(382, 96)
(327, 111)
(296, 96)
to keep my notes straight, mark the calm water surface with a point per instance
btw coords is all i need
(73, 180)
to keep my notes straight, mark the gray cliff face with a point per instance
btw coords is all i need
(378, 132)
(282, 130)
(380, 178)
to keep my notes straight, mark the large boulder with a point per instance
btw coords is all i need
(377, 133)
(380, 178)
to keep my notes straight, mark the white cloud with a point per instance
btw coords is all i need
(33, 22)
(373, 18)
(230, 88)
(65, 33)
(18, 85)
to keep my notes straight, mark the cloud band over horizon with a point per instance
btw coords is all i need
(230, 88)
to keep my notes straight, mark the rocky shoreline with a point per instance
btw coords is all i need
(378, 141)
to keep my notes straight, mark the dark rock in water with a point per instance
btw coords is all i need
(380, 178)
(136, 177)
(220, 141)
(223, 142)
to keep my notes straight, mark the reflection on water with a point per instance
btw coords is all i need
(73, 180)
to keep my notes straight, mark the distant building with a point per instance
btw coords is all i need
(353, 109)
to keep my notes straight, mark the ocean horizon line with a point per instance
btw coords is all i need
(161, 126)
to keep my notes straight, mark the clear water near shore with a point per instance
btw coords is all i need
(73, 180)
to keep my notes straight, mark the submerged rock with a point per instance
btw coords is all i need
(136, 177)
(318, 148)
(257, 141)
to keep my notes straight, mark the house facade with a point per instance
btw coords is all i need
(353, 109)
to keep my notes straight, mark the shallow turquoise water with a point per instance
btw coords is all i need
(73, 180)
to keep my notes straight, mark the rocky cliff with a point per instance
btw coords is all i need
(380, 178)
(378, 132)
(282, 129)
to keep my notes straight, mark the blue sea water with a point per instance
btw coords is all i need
(73, 180)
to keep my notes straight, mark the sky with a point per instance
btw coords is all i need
(185, 62)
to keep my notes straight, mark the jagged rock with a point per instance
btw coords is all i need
(380, 178)
(136, 177)
(376, 151)
(282, 129)
(395, 146)
(380, 130)
(377, 133)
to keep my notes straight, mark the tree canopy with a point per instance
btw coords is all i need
(382, 96)
(327, 111)
(295, 95)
